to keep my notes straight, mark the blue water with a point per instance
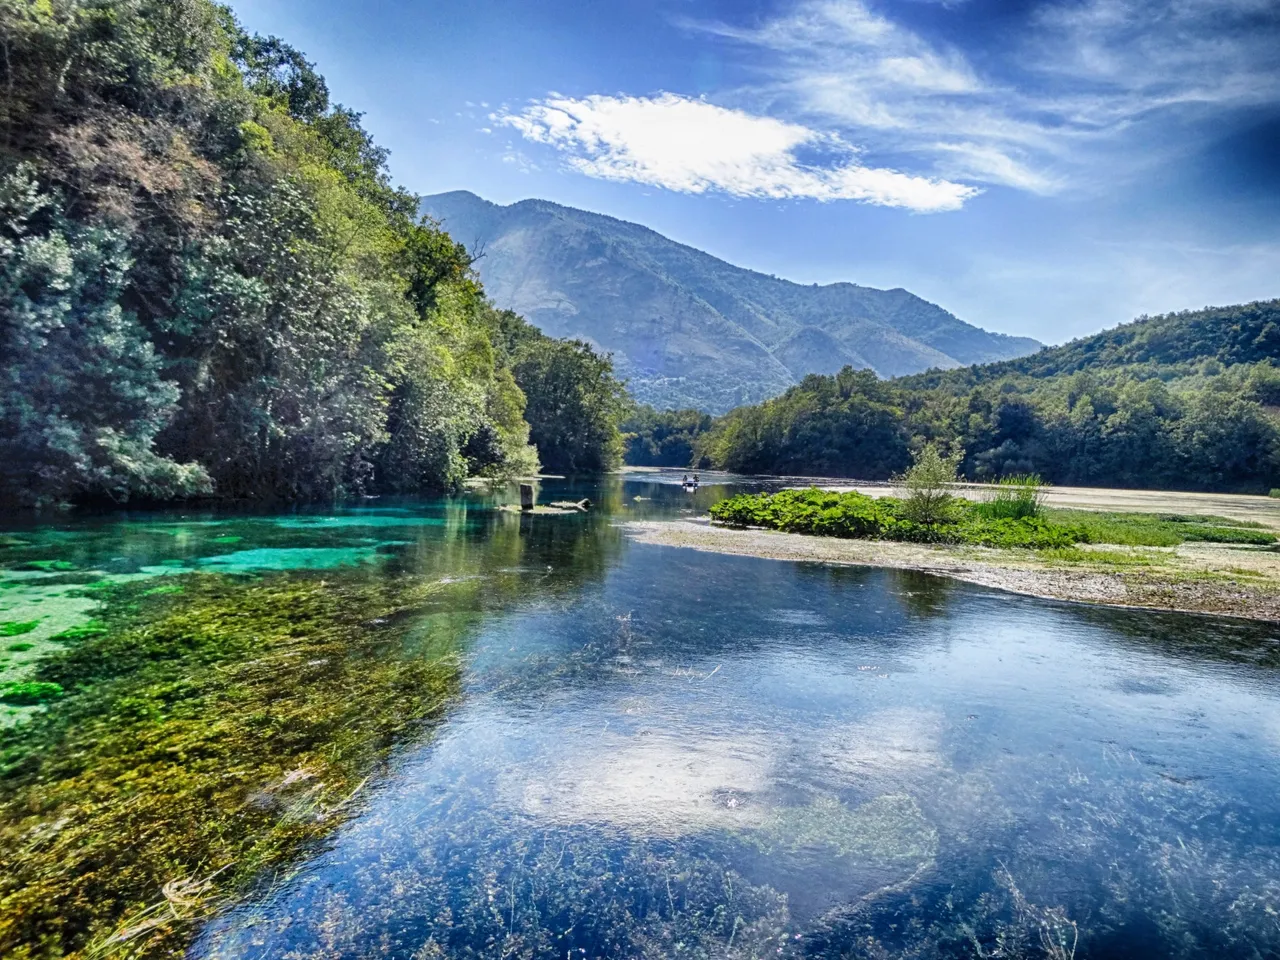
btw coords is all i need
(667, 753)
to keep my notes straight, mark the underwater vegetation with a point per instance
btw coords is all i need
(199, 741)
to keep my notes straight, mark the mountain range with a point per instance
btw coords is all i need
(687, 329)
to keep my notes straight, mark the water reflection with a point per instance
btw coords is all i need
(658, 752)
(731, 757)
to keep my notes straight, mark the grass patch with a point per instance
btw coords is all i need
(1113, 558)
(195, 743)
(1013, 498)
(1159, 530)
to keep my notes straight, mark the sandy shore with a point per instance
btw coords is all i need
(1192, 578)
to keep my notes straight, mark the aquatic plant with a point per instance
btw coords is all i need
(14, 629)
(29, 694)
(218, 732)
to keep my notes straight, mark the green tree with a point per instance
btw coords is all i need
(81, 392)
(574, 405)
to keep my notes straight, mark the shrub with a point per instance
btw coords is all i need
(1275, 492)
(1013, 498)
(929, 503)
(809, 511)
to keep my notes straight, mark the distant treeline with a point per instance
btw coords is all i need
(208, 283)
(1184, 401)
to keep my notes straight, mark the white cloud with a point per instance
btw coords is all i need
(1057, 104)
(694, 146)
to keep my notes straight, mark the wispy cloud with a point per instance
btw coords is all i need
(1052, 107)
(694, 146)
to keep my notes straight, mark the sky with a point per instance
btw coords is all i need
(1047, 168)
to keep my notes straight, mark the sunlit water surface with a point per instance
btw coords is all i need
(665, 753)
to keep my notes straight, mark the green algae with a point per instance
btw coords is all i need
(171, 588)
(13, 628)
(21, 647)
(48, 566)
(30, 694)
(220, 733)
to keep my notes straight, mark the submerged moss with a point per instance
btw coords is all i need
(15, 629)
(202, 740)
(29, 694)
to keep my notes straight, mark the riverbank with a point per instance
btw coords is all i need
(1192, 577)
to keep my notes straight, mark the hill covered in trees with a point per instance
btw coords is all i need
(208, 283)
(687, 329)
(1184, 401)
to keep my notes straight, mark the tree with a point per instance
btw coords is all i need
(574, 405)
(81, 393)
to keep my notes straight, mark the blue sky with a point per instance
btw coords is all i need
(1038, 167)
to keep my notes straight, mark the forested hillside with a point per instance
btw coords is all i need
(1186, 401)
(690, 330)
(209, 284)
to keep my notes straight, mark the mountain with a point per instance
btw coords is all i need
(1165, 345)
(687, 329)
(1184, 401)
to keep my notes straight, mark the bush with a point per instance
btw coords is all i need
(812, 511)
(857, 516)
(929, 503)
(1014, 498)
(1275, 492)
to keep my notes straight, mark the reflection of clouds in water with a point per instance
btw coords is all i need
(797, 618)
(886, 746)
(667, 785)
(680, 781)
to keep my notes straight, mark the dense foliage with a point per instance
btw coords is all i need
(1181, 402)
(858, 516)
(575, 402)
(208, 281)
(663, 438)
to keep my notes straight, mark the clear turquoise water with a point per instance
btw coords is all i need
(664, 753)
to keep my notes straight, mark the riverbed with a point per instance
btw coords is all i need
(629, 750)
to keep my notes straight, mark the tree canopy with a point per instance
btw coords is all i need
(209, 283)
(1187, 401)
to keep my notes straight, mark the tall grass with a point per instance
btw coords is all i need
(1013, 498)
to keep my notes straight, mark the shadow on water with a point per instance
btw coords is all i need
(578, 746)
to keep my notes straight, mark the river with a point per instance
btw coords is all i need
(643, 751)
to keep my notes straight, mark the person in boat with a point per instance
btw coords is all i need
(685, 481)
(695, 479)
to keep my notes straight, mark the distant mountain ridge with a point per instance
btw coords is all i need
(690, 330)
